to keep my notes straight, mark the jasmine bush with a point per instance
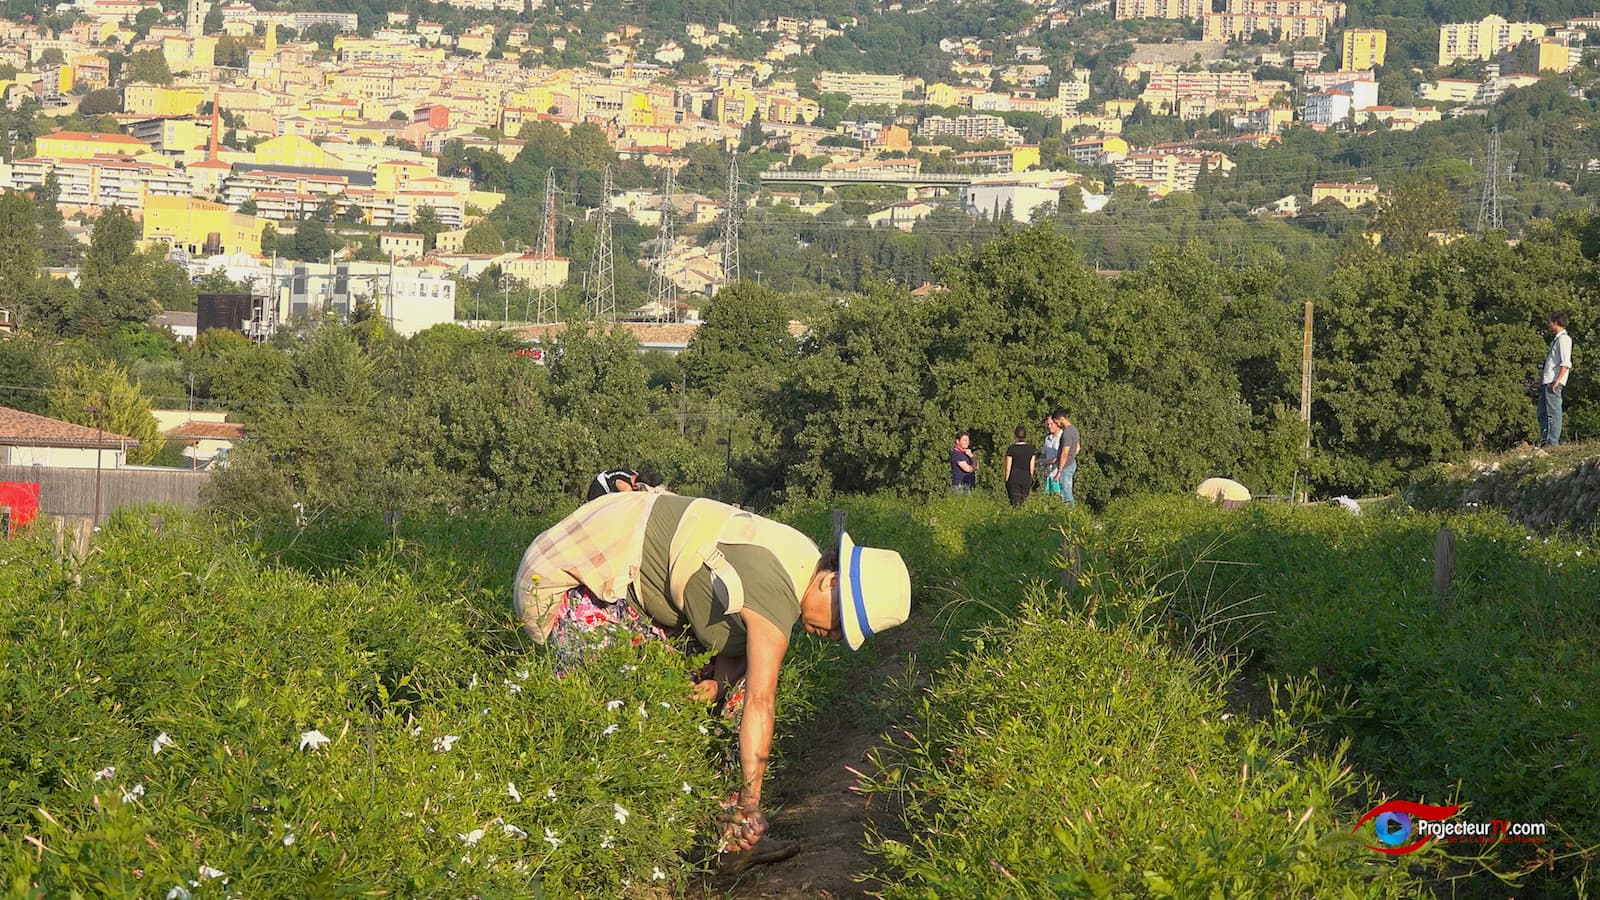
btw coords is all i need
(1487, 700)
(1061, 759)
(182, 716)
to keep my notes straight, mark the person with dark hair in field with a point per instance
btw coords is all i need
(647, 566)
(1020, 461)
(1557, 366)
(1049, 454)
(1066, 464)
(963, 465)
(622, 480)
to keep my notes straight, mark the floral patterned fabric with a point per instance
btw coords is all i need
(585, 624)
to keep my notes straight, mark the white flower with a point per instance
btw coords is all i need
(474, 682)
(133, 793)
(443, 743)
(702, 728)
(106, 774)
(620, 814)
(178, 893)
(513, 687)
(665, 705)
(511, 790)
(513, 831)
(523, 674)
(551, 839)
(207, 873)
(610, 729)
(687, 789)
(614, 705)
(162, 740)
(313, 739)
(605, 841)
(642, 713)
(288, 840)
(550, 793)
(472, 837)
(657, 875)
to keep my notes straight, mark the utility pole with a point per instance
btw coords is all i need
(1489, 200)
(600, 296)
(546, 310)
(98, 409)
(663, 291)
(1305, 398)
(731, 224)
(1305, 377)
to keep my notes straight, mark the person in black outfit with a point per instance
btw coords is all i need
(1020, 459)
(618, 480)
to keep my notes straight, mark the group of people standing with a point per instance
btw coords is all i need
(1054, 464)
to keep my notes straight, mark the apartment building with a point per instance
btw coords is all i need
(87, 144)
(102, 182)
(1364, 48)
(1287, 20)
(970, 128)
(1011, 159)
(1163, 173)
(868, 90)
(1162, 9)
(200, 226)
(1484, 39)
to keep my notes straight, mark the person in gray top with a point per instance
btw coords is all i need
(1066, 462)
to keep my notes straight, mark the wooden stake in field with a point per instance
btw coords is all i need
(1444, 567)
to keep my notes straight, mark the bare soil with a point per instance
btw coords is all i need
(811, 801)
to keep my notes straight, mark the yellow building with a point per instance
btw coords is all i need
(200, 226)
(1483, 39)
(1350, 196)
(1364, 48)
(1555, 56)
(394, 174)
(146, 99)
(1121, 108)
(87, 145)
(1012, 159)
(292, 150)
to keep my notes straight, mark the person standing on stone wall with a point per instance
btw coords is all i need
(1557, 366)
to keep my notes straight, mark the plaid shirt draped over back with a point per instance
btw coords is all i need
(599, 546)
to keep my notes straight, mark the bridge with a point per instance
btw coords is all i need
(836, 179)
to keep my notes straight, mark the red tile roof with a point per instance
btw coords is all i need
(23, 429)
(207, 431)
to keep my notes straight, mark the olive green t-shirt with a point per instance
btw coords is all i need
(768, 592)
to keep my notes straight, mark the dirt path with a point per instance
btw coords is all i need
(813, 804)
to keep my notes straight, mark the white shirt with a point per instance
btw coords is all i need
(1560, 355)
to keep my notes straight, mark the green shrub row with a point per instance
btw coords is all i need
(379, 729)
(1061, 759)
(1487, 699)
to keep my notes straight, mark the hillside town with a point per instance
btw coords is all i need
(222, 129)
